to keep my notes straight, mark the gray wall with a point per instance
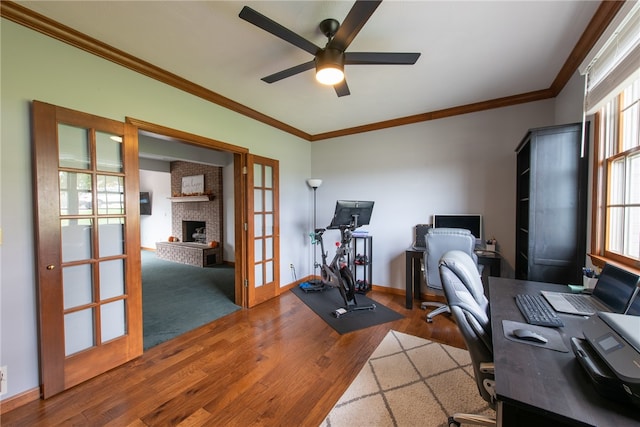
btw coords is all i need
(463, 164)
(458, 164)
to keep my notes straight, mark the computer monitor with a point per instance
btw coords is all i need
(351, 213)
(471, 222)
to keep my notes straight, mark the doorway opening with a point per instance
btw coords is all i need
(212, 289)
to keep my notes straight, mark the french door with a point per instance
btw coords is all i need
(263, 230)
(87, 244)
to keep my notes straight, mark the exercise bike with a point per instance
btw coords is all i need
(337, 273)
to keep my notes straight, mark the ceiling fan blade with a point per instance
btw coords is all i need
(353, 23)
(289, 72)
(341, 88)
(277, 30)
(355, 58)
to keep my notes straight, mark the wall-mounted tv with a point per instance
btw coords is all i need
(471, 222)
(145, 203)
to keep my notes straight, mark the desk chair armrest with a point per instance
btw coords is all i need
(475, 419)
(479, 330)
(489, 384)
(487, 367)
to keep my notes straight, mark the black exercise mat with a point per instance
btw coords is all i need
(324, 303)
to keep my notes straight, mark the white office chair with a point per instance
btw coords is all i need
(439, 241)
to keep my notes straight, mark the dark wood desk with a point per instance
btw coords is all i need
(413, 271)
(542, 387)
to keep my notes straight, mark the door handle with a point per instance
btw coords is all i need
(51, 267)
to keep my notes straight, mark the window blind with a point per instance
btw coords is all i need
(616, 63)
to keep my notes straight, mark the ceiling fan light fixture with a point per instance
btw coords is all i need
(329, 76)
(329, 66)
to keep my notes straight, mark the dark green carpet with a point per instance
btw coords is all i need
(177, 298)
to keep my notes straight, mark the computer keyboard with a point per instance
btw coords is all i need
(537, 311)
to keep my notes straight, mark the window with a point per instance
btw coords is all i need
(616, 201)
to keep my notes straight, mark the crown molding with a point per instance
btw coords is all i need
(40, 23)
(26, 17)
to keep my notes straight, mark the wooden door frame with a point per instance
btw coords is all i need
(240, 196)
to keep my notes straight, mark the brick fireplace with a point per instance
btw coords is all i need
(194, 223)
(208, 212)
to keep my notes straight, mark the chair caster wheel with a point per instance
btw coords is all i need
(453, 423)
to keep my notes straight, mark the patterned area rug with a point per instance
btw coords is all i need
(409, 381)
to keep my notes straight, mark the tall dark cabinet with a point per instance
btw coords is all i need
(551, 204)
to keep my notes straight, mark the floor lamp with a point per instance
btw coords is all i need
(314, 183)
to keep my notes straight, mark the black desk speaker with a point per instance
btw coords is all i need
(421, 232)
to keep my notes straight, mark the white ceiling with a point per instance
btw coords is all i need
(472, 51)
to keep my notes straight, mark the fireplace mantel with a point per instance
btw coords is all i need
(184, 199)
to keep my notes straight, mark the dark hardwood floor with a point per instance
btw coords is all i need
(275, 364)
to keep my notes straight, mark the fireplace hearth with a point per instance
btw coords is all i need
(190, 253)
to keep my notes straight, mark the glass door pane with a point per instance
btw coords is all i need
(76, 239)
(78, 331)
(73, 147)
(109, 152)
(78, 285)
(111, 234)
(75, 193)
(111, 279)
(113, 317)
(110, 194)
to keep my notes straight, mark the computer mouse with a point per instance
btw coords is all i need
(528, 335)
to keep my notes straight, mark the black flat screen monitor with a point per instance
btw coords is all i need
(351, 213)
(471, 222)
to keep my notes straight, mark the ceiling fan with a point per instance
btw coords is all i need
(329, 61)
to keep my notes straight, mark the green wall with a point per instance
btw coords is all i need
(36, 67)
